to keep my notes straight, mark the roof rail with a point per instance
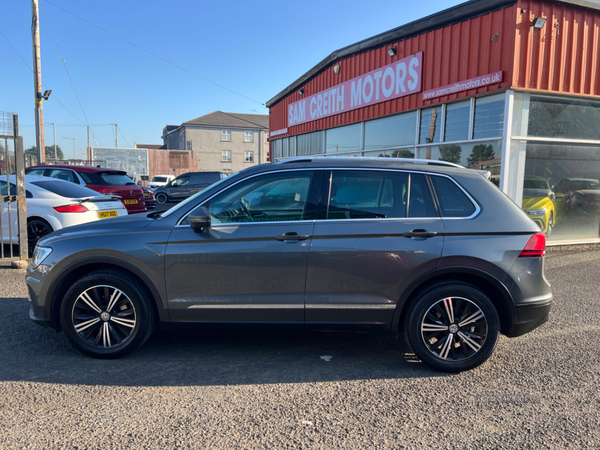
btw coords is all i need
(408, 160)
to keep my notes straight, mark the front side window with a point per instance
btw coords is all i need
(226, 135)
(248, 136)
(266, 198)
(226, 156)
(181, 181)
(249, 156)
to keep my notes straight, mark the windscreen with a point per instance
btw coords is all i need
(107, 178)
(159, 179)
(67, 190)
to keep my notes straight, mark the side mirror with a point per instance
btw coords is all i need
(552, 196)
(200, 219)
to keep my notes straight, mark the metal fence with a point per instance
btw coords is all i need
(13, 212)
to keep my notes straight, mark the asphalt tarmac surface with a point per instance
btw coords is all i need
(207, 389)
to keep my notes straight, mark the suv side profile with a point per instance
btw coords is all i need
(425, 248)
(186, 185)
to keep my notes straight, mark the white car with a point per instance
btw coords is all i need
(160, 180)
(53, 204)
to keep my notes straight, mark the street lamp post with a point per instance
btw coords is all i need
(54, 131)
(74, 145)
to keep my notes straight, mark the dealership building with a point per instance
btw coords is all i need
(512, 87)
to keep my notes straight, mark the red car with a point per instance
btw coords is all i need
(149, 199)
(101, 179)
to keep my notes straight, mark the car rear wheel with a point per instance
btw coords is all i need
(161, 198)
(550, 224)
(453, 327)
(105, 314)
(36, 229)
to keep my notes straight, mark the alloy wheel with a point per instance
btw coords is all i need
(454, 329)
(161, 198)
(104, 317)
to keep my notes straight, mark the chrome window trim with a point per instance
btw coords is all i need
(477, 207)
(247, 306)
(350, 306)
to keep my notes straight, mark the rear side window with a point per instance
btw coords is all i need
(37, 172)
(367, 195)
(67, 190)
(420, 203)
(452, 200)
(62, 174)
(208, 177)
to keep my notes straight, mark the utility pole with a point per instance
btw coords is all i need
(116, 136)
(37, 81)
(88, 150)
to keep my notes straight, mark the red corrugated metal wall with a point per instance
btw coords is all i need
(557, 59)
(453, 53)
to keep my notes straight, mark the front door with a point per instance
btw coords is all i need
(378, 229)
(250, 265)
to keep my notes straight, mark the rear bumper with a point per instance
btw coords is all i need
(529, 317)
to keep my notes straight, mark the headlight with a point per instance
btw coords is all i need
(536, 212)
(39, 255)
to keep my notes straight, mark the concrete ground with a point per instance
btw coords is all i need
(239, 389)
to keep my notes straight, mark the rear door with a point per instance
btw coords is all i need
(375, 230)
(180, 188)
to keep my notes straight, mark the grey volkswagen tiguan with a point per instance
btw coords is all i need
(425, 248)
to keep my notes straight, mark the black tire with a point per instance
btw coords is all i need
(549, 226)
(102, 330)
(36, 229)
(441, 331)
(161, 198)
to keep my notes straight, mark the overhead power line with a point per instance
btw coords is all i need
(68, 74)
(154, 55)
(54, 97)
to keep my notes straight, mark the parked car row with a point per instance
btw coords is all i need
(546, 205)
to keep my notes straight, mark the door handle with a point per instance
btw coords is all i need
(420, 233)
(292, 236)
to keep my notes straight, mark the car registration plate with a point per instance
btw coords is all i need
(131, 202)
(145, 194)
(105, 214)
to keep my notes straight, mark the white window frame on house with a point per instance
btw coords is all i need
(248, 136)
(225, 155)
(249, 156)
(226, 135)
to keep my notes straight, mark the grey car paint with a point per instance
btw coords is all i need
(242, 273)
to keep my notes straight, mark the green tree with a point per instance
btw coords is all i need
(481, 152)
(450, 153)
(49, 151)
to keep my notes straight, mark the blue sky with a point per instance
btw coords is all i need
(255, 48)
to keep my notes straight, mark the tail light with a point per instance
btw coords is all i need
(535, 248)
(109, 191)
(71, 209)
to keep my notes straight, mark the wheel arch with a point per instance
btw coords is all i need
(490, 285)
(75, 271)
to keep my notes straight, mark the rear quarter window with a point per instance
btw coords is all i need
(452, 200)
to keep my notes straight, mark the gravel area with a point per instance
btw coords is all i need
(254, 389)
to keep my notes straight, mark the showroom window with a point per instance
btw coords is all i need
(343, 139)
(430, 125)
(310, 143)
(457, 121)
(478, 155)
(563, 118)
(393, 131)
(489, 117)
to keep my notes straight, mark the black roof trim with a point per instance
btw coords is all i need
(458, 13)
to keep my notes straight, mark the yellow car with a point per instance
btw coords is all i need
(542, 205)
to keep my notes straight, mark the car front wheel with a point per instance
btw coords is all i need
(453, 327)
(161, 198)
(105, 314)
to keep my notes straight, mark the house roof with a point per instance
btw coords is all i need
(231, 120)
